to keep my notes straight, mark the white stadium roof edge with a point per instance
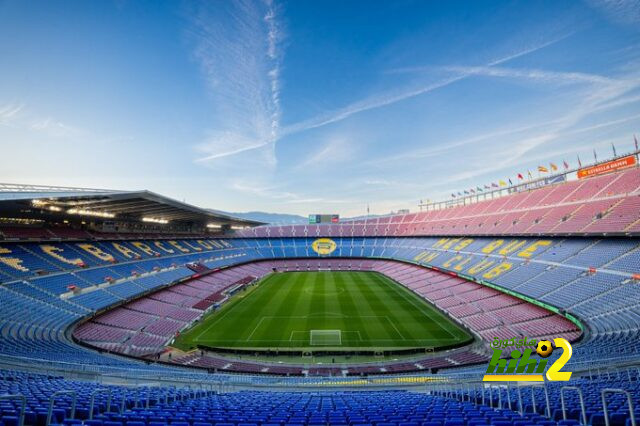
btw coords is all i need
(127, 205)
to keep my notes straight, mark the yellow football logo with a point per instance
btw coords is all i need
(324, 246)
(544, 348)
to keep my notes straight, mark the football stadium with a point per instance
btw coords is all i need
(513, 302)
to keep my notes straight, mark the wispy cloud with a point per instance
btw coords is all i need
(398, 95)
(527, 151)
(626, 100)
(9, 112)
(237, 45)
(620, 11)
(602, 93)
(591, 98)
(452, 145)
(336, 150)
(533, 74)
(377, 182)
(54, 127)
(532, 47)
(273, 40)
(26, 120)
(224, 144)
(275, 192)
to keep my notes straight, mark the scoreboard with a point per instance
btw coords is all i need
(324, 218)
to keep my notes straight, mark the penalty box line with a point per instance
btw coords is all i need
(229, 309)
(218, 342)
(325, 337)
(386, 317)
(306, 332)
(412, 302)
(255, 328)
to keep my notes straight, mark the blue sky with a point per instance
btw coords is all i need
(306, 107)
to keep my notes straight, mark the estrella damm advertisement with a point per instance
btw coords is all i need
(608, 167)
(324, 246)
(522, 368)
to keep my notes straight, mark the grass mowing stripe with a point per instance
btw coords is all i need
(371, 306)
(436, 321)
(287, 302)
(281, 310)
(399, 314)
(416, 313)
(398, 310)
(320, 305)
(297, 326)
(226, 309)
(348, 307)
(253, 323)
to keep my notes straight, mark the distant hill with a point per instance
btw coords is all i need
(271, 218)
(283, 218)
(371, 216)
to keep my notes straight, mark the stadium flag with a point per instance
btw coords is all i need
(479, 189)
(566, 165)
(614, 150)
(510, 183)
(579, 162)
(472, 191)
(453, 195)
(553, 167)
(520, 176)
(595, 155)
(543, 169)
(529, 174)
(502, 183)
(459, 194)
(636, 141)
(487, 187)
(466, 192)
(493, 184)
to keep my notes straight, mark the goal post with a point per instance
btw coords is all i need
(325, 337)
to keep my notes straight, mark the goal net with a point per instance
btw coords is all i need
(325, 338)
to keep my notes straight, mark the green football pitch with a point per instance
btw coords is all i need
(325, 310)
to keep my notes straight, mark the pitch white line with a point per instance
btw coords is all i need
(291, 339)
(402, 293)
(395, 328)
(255, 328)
(229, 309)
(347, 331)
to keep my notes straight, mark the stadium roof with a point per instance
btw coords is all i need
(108, 204)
